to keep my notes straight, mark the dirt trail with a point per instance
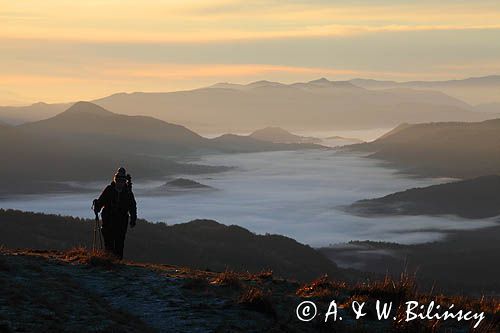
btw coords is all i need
(61, 293)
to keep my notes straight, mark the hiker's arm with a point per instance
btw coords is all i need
(102, 201)
(132, 209)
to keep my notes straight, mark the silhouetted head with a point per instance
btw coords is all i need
(120, 179)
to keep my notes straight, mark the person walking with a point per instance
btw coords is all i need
(118, 204)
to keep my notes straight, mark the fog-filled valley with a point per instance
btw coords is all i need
(297, 194)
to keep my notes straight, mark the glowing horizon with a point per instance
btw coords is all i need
(63, 51)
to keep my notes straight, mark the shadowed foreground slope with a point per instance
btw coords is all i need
(52, 291)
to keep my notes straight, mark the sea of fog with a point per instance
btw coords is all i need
(294, 193)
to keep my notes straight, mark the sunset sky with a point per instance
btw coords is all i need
(55, 50)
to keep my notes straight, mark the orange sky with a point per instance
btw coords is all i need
(56, 50)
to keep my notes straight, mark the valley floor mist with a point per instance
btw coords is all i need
(292, 193)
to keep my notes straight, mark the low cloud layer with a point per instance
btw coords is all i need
(290, 193)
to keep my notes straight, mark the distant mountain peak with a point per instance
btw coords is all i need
(83, 107)
(227, 85)
(119, 94)
(321, 81)
(39, 104)
(264, 83)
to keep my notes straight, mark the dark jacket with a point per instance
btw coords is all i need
(116, 206)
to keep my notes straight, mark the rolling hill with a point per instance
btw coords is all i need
(449, 149)
(471, 198)
(90, 126)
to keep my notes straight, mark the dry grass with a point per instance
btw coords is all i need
(257, 300)
(388, 288)
(348, 302)
(91, 258)
(321, 288)
(227, 279)
(399, 292)
(76, 252)
(266, 275)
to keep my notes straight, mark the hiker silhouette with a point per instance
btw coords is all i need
(118, 204)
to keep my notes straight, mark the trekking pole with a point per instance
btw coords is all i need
(97, 231)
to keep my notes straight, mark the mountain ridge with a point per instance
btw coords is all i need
(236, 107)
(473, 90)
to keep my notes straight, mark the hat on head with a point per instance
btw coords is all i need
(121, 174)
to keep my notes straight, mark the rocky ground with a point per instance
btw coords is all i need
(77, 291)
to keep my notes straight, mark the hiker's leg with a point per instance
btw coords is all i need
(119, 244)
(108, 237)
(120, 239)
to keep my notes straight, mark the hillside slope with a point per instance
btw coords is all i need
(472, 198)
(198, 244)
(449, 149)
